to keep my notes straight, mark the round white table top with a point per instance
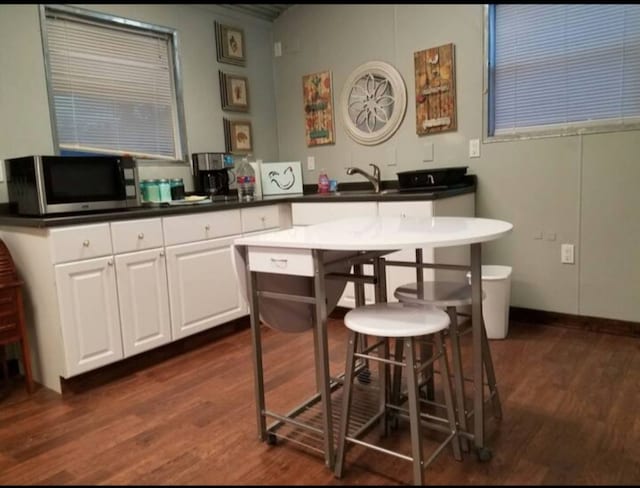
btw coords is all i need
(383, 233)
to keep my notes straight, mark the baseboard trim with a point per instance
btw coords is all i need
(139, 362)
(591, 324)
(556, 319)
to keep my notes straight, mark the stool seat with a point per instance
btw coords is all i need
(441, 293)
(396, 320)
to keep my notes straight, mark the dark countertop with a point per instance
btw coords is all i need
(347, 193)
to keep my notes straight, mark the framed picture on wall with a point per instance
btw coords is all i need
(238, 136)
(230, 46)
(234, 91)
(318, 108)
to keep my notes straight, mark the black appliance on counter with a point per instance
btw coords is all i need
(432, 179)
(43, 185)
(211, 173)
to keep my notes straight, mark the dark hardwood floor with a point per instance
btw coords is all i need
(571, 401)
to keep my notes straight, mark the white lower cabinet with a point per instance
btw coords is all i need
(144, 300)
(88, 303)
(203, 288)
(396, 275)
(316, 213)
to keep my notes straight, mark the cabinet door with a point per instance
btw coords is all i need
(203, 288)
(397, 276)
(89, 314)
(144, 300)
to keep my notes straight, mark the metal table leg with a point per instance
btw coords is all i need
(322, 358)
(482, 452)
(256, 342)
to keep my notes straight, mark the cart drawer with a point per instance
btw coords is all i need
(297, 262)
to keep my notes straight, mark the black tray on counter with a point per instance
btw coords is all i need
(431, 179)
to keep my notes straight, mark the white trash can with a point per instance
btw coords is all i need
(496, 284)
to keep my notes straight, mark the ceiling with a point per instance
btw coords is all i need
(264, 11)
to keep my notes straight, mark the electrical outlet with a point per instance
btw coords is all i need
(474, 148)
(566, 254)
(311, 163)
(427, 152)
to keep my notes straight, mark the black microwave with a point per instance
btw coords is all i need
(43, 185)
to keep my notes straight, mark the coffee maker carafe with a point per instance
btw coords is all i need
(210, 173)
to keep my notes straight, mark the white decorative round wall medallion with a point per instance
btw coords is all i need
(373, 102)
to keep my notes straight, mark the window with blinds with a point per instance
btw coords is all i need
(112, 87)
(555, 67)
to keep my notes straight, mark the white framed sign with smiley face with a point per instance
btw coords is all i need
(281, 178)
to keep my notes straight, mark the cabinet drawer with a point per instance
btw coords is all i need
(80, 242)
(406, 209)
(280, 261)
(198, 227)
(260, 218)
(316, 213)
(136, 235)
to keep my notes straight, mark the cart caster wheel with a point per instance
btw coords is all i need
(364, 377)
(272, 439)
(484, 454)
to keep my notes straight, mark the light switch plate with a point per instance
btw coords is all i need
(391, 156)
(277, 49)
(311, 163)
(1, 170)
(474, 148)
(427, 152)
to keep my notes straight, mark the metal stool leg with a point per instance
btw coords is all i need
(397, 372)
(491, 375)
(448, 396)
(346, 403)
(458, 376)
(414, 412)
(383, 377)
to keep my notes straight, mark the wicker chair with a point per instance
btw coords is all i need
(12, 324)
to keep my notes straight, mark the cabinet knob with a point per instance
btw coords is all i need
(207, 227)
(141, 236)
(110, 263)
(161, 254)
(86, 243)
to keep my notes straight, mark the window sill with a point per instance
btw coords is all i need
(569, 131)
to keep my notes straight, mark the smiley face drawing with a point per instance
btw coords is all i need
(284, 181)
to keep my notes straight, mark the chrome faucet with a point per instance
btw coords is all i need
(374, 179)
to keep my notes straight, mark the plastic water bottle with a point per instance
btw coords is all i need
(246, 180)
(323, 182)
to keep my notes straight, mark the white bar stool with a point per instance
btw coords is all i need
(407, 324)
(450, 295)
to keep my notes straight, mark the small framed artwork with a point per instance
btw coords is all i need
(318, 108)
(435, 73)
(234, 91)
(230, 47)
(238, 136)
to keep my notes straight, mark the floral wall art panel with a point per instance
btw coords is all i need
(318, 108)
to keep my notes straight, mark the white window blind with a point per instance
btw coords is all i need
(557, 66)
(112, 88)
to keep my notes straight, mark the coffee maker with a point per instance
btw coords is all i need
(211, 174)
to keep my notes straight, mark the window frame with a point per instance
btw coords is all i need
(543, 132)
(110, 19)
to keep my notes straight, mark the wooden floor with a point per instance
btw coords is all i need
(571, 401)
